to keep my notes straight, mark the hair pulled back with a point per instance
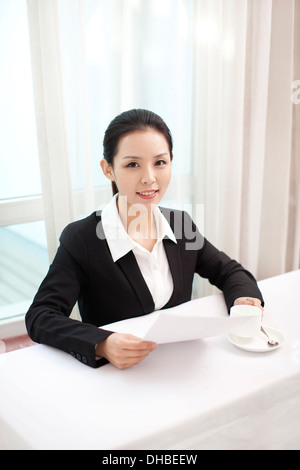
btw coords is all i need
(131, 121)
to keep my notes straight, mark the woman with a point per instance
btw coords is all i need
(131, 259)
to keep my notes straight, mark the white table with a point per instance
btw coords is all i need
(205, 394)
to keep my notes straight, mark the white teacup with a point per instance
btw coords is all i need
(251, 326)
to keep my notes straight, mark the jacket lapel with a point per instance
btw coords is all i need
(173, 255)
(131, 270)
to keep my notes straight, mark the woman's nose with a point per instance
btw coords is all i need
(148, 177)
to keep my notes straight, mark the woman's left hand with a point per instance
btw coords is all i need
(249, 301)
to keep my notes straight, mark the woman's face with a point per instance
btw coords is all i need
(142, 167)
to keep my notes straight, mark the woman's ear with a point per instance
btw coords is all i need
(107, 170)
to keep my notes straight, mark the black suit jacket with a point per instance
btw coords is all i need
(83, 271)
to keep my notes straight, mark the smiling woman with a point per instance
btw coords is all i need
(138, 265)
(146, 175)
(129, 123)
(209, 68)
(140, 168)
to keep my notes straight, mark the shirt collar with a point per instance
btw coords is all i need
(119, 242)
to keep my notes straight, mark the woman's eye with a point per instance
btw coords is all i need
(132, 165)
(160, 162)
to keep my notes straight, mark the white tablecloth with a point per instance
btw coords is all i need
(203, 394)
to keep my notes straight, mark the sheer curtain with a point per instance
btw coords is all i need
(246, 130)
(220, 73)
(91, 60)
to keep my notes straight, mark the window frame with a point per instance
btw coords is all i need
(18, 211)
(21, 210)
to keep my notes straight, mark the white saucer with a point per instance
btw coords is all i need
(258, 343)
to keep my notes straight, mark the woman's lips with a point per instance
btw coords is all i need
(148, 194)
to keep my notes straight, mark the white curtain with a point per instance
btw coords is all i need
(246, 130)
(50, 118)
(220, 72)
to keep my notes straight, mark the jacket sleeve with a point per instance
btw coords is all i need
(226, 274)
(223, 272)
(47, 320)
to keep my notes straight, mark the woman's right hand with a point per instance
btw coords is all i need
(124, 350)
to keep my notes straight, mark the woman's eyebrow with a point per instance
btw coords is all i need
(139, 158)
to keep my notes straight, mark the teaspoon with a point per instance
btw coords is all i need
(271, 342)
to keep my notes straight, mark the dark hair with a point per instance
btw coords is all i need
(127, 122)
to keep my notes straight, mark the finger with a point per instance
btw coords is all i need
(247, 301)
(139, 347)
(132, 354)
(124, 341)
(125, 361)
(255, 302)
(134, 343)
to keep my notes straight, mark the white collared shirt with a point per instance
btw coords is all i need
(154, 265)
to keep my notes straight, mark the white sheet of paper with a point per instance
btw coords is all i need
(185, 322)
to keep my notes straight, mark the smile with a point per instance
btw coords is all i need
(148, 194)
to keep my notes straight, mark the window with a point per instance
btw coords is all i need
(91, 60)
(24, 260)
(23, 248)
(19, 175)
